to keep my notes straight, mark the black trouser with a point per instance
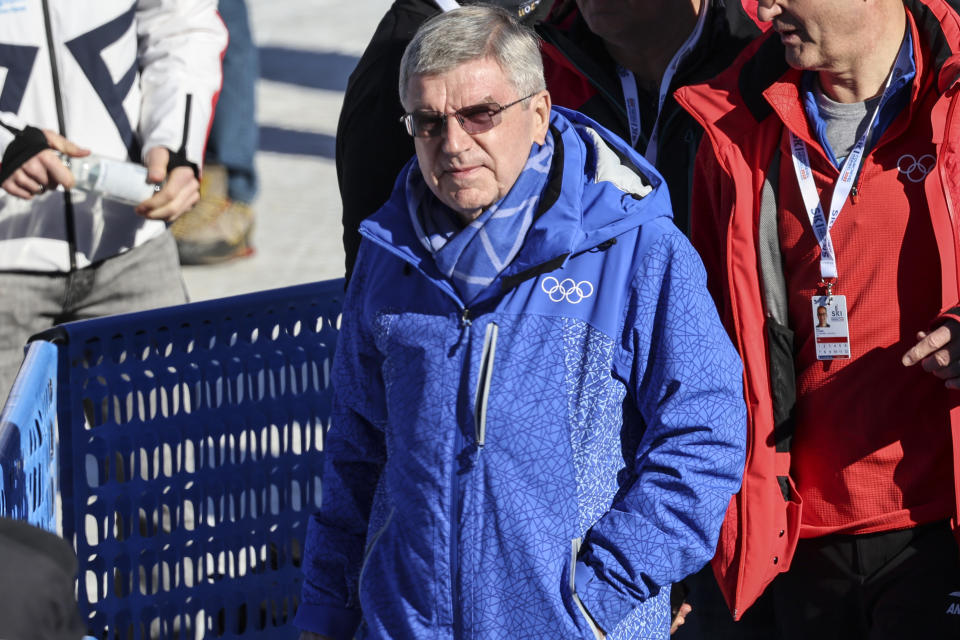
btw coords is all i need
(896, 585)
(711, 619)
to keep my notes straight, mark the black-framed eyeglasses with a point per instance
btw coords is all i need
(475, 118)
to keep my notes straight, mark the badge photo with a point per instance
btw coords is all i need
(831, 332)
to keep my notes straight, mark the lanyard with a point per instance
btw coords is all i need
(632, 98)
(631, 94)
(447, 5)
(848, 174)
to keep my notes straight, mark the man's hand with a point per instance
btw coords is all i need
(44, 170)
(177, 196)
(681, 617)
(309, 635)
(939, 353)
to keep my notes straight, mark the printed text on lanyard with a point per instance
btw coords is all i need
(848, 174)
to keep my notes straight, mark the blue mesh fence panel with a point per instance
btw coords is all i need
(28, 453)
(191, 442)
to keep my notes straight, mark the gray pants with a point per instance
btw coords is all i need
(145, 277)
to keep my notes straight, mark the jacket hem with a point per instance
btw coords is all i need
(335, 622)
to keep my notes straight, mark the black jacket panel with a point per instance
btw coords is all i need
(372, 145)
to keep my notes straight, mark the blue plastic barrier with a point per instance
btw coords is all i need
(28, 463)
(190, 444)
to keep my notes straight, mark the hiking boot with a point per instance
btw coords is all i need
(216, 229)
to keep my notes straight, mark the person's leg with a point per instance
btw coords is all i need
(146, 277)
(916, 591)
(820, 596)
(233, 135)
(219, 226)
(31, 302)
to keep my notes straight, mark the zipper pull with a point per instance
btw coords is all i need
(465, 320)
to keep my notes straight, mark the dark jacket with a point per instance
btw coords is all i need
(581, 75)
(36, 585)
(372, 145)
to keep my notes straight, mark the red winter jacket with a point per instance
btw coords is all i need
(762, 524)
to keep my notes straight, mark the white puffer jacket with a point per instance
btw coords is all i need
(118, 77)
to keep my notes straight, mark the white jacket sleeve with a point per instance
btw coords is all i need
(181, 44)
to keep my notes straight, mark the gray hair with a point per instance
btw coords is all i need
(473, 33)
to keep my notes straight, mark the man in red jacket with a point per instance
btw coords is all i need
(829, 180)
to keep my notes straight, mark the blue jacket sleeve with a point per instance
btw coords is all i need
(354, 454)
(688, 428)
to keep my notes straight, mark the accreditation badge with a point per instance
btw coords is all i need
(830, 331)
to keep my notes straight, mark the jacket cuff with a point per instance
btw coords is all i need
(950, 314)
(335, 622)
(179, 159)
(24, 146)
(609, 607)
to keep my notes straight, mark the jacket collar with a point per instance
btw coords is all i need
(590, 166)
(938, 25)
(756, 80)
(786, 96)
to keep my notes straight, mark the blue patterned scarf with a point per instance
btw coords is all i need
(473, 256)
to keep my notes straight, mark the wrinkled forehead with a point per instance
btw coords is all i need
(472, 82)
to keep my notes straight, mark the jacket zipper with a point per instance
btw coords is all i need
(483, 383)
(373, 543)
(741, 512)
(943, 178)
(465, 324)
(482, 395)
(858, 181)
(61, 124)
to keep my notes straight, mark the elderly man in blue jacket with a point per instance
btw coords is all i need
(538, 418)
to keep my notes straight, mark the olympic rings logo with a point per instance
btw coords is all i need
(567, 289)
(916, 169)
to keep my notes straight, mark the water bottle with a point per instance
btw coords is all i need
(116, 180)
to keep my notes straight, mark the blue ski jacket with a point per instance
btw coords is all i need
(547, 460)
